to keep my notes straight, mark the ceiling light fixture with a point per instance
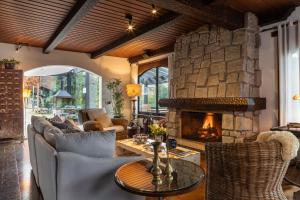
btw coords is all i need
(130, 26)
(154, 10)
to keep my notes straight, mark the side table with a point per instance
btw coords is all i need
(136, 178)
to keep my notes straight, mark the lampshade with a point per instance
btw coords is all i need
(296, 97)
(133, 90)
(26, 93)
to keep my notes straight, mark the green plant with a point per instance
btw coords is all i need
(157, 130)
(9, 61)
(114, 86)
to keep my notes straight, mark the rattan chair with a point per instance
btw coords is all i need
(245, 171)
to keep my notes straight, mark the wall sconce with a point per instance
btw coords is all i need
(19, 46)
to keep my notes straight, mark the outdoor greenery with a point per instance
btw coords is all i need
(74, 82)
(114, 86)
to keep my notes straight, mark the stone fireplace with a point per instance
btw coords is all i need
(216, 70)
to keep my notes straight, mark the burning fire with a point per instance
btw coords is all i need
(208, 121)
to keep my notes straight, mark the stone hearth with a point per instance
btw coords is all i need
(215, 62)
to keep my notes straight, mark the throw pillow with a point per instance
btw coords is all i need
(39, 123)
(93, 144)
(104, 120)
(49, 134)
(60, 125)
(72, 125)
(56, 118)
(94, 113)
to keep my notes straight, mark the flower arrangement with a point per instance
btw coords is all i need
(157, 130)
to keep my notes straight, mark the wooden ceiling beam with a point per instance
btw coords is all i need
(152, 53)
(80, 9)
(222, 16)
(159, 24)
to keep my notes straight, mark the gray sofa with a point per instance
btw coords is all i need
(63, 175)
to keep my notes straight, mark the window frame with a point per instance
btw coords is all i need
(156, 113)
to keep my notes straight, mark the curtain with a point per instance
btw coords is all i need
(288, 50)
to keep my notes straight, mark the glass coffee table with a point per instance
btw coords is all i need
(135, 177)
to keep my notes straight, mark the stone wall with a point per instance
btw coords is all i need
(216, 62)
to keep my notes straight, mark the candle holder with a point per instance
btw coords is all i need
(156, 171)
(169, 169)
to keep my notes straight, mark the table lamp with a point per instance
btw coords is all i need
(26, 93)
(133, 91)
(296, 97)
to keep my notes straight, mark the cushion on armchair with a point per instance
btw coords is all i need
(92, 126)
(104, 120)
(93, 114)
(117, 128)
(93, 144)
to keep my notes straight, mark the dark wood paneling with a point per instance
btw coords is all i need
(31, 22)
(224, 16)
(80, 9)
(35, 21)
(11, 104)
(139, 34)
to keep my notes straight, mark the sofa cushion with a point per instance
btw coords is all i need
(56, 118)
(49, 134)
(71, 127)
(95, 113)
(104, 120)
(60, 125)
(117, 128)
(94, 144)
(39, 123)
(68, 126)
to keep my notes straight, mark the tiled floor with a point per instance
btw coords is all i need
(16, 179)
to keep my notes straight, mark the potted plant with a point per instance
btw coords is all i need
(9, 63)
(158, 132)
(114, 86)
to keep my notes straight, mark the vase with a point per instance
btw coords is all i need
(158, 138)
(156, 170)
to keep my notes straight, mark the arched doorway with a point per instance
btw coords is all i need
(60, 90)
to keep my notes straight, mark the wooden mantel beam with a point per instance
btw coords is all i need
(159, 24)
(80, 9)
(221, 16)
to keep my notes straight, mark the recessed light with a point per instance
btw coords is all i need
(154, 10)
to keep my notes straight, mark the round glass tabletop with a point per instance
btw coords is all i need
(136, 178)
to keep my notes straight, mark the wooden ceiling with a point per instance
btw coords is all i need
(99, 27)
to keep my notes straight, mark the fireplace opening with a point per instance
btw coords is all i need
(202, 127)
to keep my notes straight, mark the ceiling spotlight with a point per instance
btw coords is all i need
(154, 10)
(130, 26)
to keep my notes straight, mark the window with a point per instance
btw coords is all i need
(154, 87)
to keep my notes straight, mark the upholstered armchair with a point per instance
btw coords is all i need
(88, 119)
(248, 171)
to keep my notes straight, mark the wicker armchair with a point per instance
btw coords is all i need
(245, 171)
